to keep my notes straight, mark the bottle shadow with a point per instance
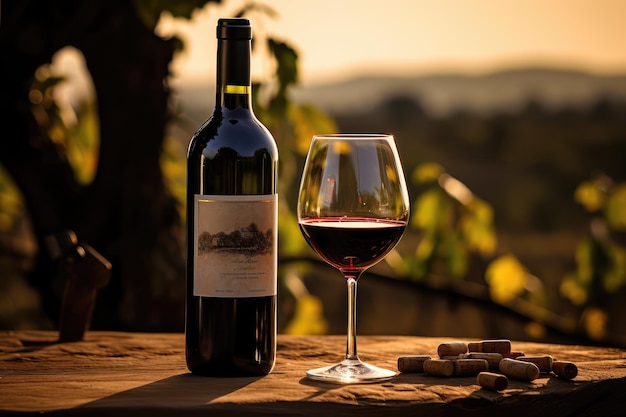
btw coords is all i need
(184, 392)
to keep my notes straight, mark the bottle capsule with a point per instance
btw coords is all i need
(439, 367)
(492, 381)
(451, 349)
(470, 367)
(544, 363)
(563, 369)
(412, 364)
(492, 358)
(523, 371)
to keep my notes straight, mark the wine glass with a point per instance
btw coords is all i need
(353, 207)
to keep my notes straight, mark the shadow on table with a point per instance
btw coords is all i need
(547, 396)
(449, 388)
(186, 392)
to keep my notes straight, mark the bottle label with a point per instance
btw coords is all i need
(235, 245)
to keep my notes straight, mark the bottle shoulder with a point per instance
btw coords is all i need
(237, 129)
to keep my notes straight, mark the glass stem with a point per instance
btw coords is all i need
(351, 341)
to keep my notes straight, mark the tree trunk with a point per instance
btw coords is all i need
(127, 213)
(129, 67)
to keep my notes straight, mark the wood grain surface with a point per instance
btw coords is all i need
(140, 374)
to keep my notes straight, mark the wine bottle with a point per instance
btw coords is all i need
(232, 211)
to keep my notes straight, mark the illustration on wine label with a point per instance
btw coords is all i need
(234, 244)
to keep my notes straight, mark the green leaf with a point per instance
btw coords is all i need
(83, 142)
(615, 209)
(291, 242)
(571, 288)
(430, 210)
(615, 276)
(287, 60)
(456, 256)
(506, 277)
(477, 227)
(426, 173)
(11, 201)
(595, 321)
(150, 11)
(308, 317)
(426, 247)
(308, 121)
(584, 262)
(590, 196)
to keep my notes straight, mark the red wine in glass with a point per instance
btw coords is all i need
(352, 243)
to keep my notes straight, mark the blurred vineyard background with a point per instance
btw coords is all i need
(518, 190)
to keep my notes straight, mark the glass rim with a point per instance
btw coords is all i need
(346, 136)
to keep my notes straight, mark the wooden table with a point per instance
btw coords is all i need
(139, 374)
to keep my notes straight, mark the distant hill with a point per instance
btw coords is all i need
(438, 94)
(441, 93)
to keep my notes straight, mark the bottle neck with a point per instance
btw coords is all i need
(233, 74)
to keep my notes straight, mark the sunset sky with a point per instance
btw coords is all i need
(337, 39)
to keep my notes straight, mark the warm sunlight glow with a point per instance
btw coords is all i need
(338, 39)
(456, 188)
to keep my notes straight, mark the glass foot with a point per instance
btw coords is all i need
(351, 372)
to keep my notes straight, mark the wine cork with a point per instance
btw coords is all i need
(514, 354)
(501, 346)
(563, 369)
(439, 367)
(470, 367)
(451, 349)
(492, 381)
(412, 364)
(451, 358)
(544, 363)
(524, 371)
(493, 359)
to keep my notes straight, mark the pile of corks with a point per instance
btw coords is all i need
(491, 361)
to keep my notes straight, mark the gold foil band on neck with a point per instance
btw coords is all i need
(236, 89)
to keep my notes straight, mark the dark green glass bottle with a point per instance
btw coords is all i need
(232, 235)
